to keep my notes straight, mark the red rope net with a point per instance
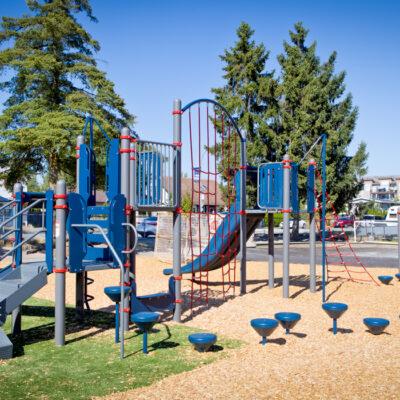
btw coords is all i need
(214, 159)
(341, 259)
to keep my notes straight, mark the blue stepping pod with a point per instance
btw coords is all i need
(335, 311)
(385, 279)
(398, 276)
(202, 341)
(376, 325)
(288, 320)
(114, 293)
(264, 327)
(145, 321)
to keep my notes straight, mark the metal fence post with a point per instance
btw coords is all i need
(79, 276)
(243, 225)
(177, 217)
(286, 224)
(60, 267)
(271, 251)
(125, 180)
(313, 278)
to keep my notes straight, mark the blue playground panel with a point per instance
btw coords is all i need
(385, 279)
(335, 311)
(270, 186)
(148, 184)
(202, 341)
(310, 188)
(376, 325)
(264, 327)
(288, 320)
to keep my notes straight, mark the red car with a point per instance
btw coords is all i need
(344, 221)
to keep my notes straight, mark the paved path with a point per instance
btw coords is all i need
(372, 255)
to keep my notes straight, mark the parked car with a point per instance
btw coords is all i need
(302, 224)
(147, 227)
(344, 221)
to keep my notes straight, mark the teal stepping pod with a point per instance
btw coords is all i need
(145, 321)
(114, 293)
(264, 327)
(202, 341)
(385, 279)
(335, 311)
(376, 325)
(288, 320)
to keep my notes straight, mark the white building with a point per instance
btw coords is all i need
(384, 190)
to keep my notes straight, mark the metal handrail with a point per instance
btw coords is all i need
(136, 238)
(8, 204)
(8, 233)
(22, 211)
(21, 243)
(115, 254)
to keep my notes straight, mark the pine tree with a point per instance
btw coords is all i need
(245, 73)
(313, 101)
(52, 81)
(249, 94)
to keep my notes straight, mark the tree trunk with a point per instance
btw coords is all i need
(53, 169)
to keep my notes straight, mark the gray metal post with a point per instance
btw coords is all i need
(60, 268)
(125, 154)
(398, 236)
(312, 234)
(177, 217)
(16, 317)
(286, 224)
(79, 276)
(243, 227)
(271, 251)
(132, 203)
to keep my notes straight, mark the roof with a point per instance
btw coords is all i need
(381, 177)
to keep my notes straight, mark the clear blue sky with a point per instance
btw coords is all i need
(157, 50)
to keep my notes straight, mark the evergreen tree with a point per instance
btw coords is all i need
(249, 94)
(313, 101)
(51, 77)
(245, 73)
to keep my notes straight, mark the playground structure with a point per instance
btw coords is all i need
(149, 179)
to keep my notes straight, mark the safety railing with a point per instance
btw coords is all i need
(46, 202)
(155, 186)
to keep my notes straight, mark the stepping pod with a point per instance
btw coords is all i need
(385, 279)
(376, 325)
(288, 320)
(145, 321)
(335, 311)
(202, 342)
(264, 327)
(114, 293)
(398, 276)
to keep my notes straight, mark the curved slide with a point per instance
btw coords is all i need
(224, 245)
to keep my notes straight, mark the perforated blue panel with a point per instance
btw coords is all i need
(148, 178)
(270, 185)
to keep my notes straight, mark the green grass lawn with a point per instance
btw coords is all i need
(89, 364)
